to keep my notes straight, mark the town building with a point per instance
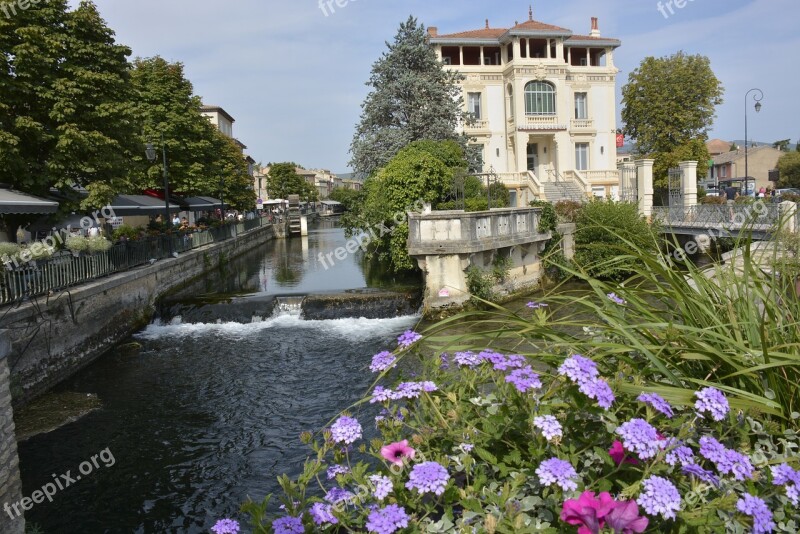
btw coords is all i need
(729, 167)
(542, 102)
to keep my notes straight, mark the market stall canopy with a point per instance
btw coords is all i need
(131, 205)
(202, 203)
(14, 202)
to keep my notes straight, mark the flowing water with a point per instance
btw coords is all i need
(205, 414)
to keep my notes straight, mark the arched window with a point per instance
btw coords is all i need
(540, 98)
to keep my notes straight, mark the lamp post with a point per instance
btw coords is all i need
(757, 97)
(150, 152)
(222, 198)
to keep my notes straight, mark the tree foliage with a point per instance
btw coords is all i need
(349, 198)
(668, 107)
(789, 167)
(283, 181)
(419, 173)
(413, 98)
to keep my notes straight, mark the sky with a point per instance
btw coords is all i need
(294, 76)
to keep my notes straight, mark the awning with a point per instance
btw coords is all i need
(202, 203)
(14, 202)
(130, 205)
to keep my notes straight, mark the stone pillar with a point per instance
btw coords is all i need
(10, 483)
(689, 182)
(644, 177)
(788, 214)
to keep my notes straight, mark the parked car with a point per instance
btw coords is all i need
(788, 190)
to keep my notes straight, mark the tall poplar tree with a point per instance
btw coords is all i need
(413, 98)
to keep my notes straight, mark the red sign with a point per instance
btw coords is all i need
(620, 140)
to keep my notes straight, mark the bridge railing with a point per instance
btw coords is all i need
(444, 232)
(759, 215)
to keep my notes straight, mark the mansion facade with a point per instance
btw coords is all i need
(542, 106)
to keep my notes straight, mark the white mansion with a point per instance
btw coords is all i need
(543, 103)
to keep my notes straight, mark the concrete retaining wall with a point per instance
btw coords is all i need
(10, 484)
(53, 337)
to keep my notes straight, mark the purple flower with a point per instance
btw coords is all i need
(428, 477)
(726, 460)
(615, 299)
(783, 474)
(467, 447)
(524, 379)
(322, 514)
(578, 369)
(559, 472)
(288, 525)
(382, 361)
(382, 486)
(345, 430)
(656, 402)
(412, 390)
(759, 511)
(444, 364)
(226, 526)
(381, 394)
(679, 454)
(598, 389)
(549, 426)
(700, 473)
(660, 496)
(713, 401)
(536, 305)
(337, 470)
(498, 361)
(337, 495)
(640, 438)
(467, 359)
(408, 338)
(793, 492)
(387, 520)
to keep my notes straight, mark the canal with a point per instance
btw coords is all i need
(197, 416)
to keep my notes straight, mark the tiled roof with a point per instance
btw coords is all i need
(483, 33)
(718, 146)
(729, 157)
(535, 25)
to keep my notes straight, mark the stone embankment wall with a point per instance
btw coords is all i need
(10, 484)
(53, 337)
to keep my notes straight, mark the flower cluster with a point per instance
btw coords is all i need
(536, 305)
(524, 379)
(335, 470)
(616, 299)
(783, 475)
(712, 401)
(656, 402)
(583, 372)
(288, 525)
(322, 514)
(405, 390)
(467, 359)
(382, 486)
(559, 472)
(226, 526)
(550, 427)
(387, 520)
(759, 511)
(428, 477)
(408, 338)
(726, 460)
(382, 361)
(641, 438)
(660, 496)
(346, 430)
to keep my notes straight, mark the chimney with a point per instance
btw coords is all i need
(595, 27)
(433, 31)
(487, 24)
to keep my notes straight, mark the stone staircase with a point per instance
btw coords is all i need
(563, 190)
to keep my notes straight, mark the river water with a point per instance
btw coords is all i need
(204, 415)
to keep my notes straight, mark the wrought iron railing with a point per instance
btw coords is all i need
(738, 216)
(22, 280)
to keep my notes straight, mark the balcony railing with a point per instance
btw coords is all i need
(582, 124)
(477, 124)
(540, 122)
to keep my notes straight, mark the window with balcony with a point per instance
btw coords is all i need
(540, 98)
(581, 107)
(474, 105)
(582, 156)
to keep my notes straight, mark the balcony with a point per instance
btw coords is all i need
(582, 124)
(477, 125)
(540, 122)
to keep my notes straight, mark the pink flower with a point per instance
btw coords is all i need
(593, 514)
(588, 512)
(397, 453)
(617, 453)
(625, 518)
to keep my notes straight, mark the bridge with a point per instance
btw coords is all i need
(759, 220)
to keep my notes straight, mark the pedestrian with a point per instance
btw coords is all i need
(176, 221)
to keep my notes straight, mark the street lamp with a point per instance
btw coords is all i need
(221, 198)
(757, 98)
(150, 152)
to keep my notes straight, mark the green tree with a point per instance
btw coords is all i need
(349, 198)
(782, 145)
(415, 175)
(283, 181)
(668, 107)
(413, 98)
(789, 167)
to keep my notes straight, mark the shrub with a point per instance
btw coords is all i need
(548, 221)
(568, 210)
(98, 244)
(607, 233)
(479, 284)
(713, 199)
(77, 243)
(126, 231)
(8, 249)
(38, 250)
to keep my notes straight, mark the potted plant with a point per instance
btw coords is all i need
(77, 244)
